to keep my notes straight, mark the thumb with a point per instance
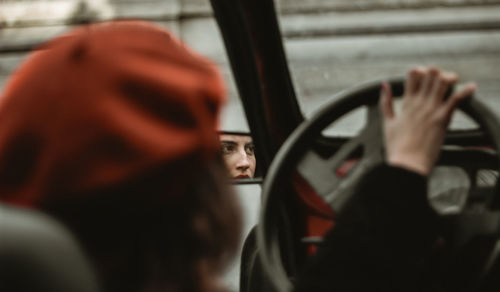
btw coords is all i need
(453, 101)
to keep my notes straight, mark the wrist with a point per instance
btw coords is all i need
(410, 162)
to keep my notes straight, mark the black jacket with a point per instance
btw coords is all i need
(382, 240)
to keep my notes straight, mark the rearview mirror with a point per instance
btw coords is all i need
(238, 153)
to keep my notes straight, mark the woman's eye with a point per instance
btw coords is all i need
(227, 149)
(250, 149)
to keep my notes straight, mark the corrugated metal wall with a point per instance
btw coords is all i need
(331, 44)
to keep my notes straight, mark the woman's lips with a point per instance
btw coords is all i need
(242, 176)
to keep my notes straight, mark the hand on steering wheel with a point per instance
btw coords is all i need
(414, 137)
(417, 133)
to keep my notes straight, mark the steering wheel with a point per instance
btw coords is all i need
(298, 155)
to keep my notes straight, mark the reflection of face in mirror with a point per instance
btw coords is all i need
(238, 153)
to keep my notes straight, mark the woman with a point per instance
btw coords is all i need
(238, 153)
(111, 130)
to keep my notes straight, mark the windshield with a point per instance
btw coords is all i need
(334, 45)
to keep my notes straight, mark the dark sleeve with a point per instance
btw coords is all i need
(381, 238)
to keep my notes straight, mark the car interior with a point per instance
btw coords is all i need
(313, 139)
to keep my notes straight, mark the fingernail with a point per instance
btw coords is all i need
(472, 86)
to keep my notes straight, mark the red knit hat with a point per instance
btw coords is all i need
(102, 105)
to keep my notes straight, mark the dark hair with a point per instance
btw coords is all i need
(147, 236)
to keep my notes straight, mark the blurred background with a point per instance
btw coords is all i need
(331, 44)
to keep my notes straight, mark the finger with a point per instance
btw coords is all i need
(456, 98)
(428, 81)
(442, 84)
(414, 78)
(385, 101)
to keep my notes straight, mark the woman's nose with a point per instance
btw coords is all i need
(243, 160)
